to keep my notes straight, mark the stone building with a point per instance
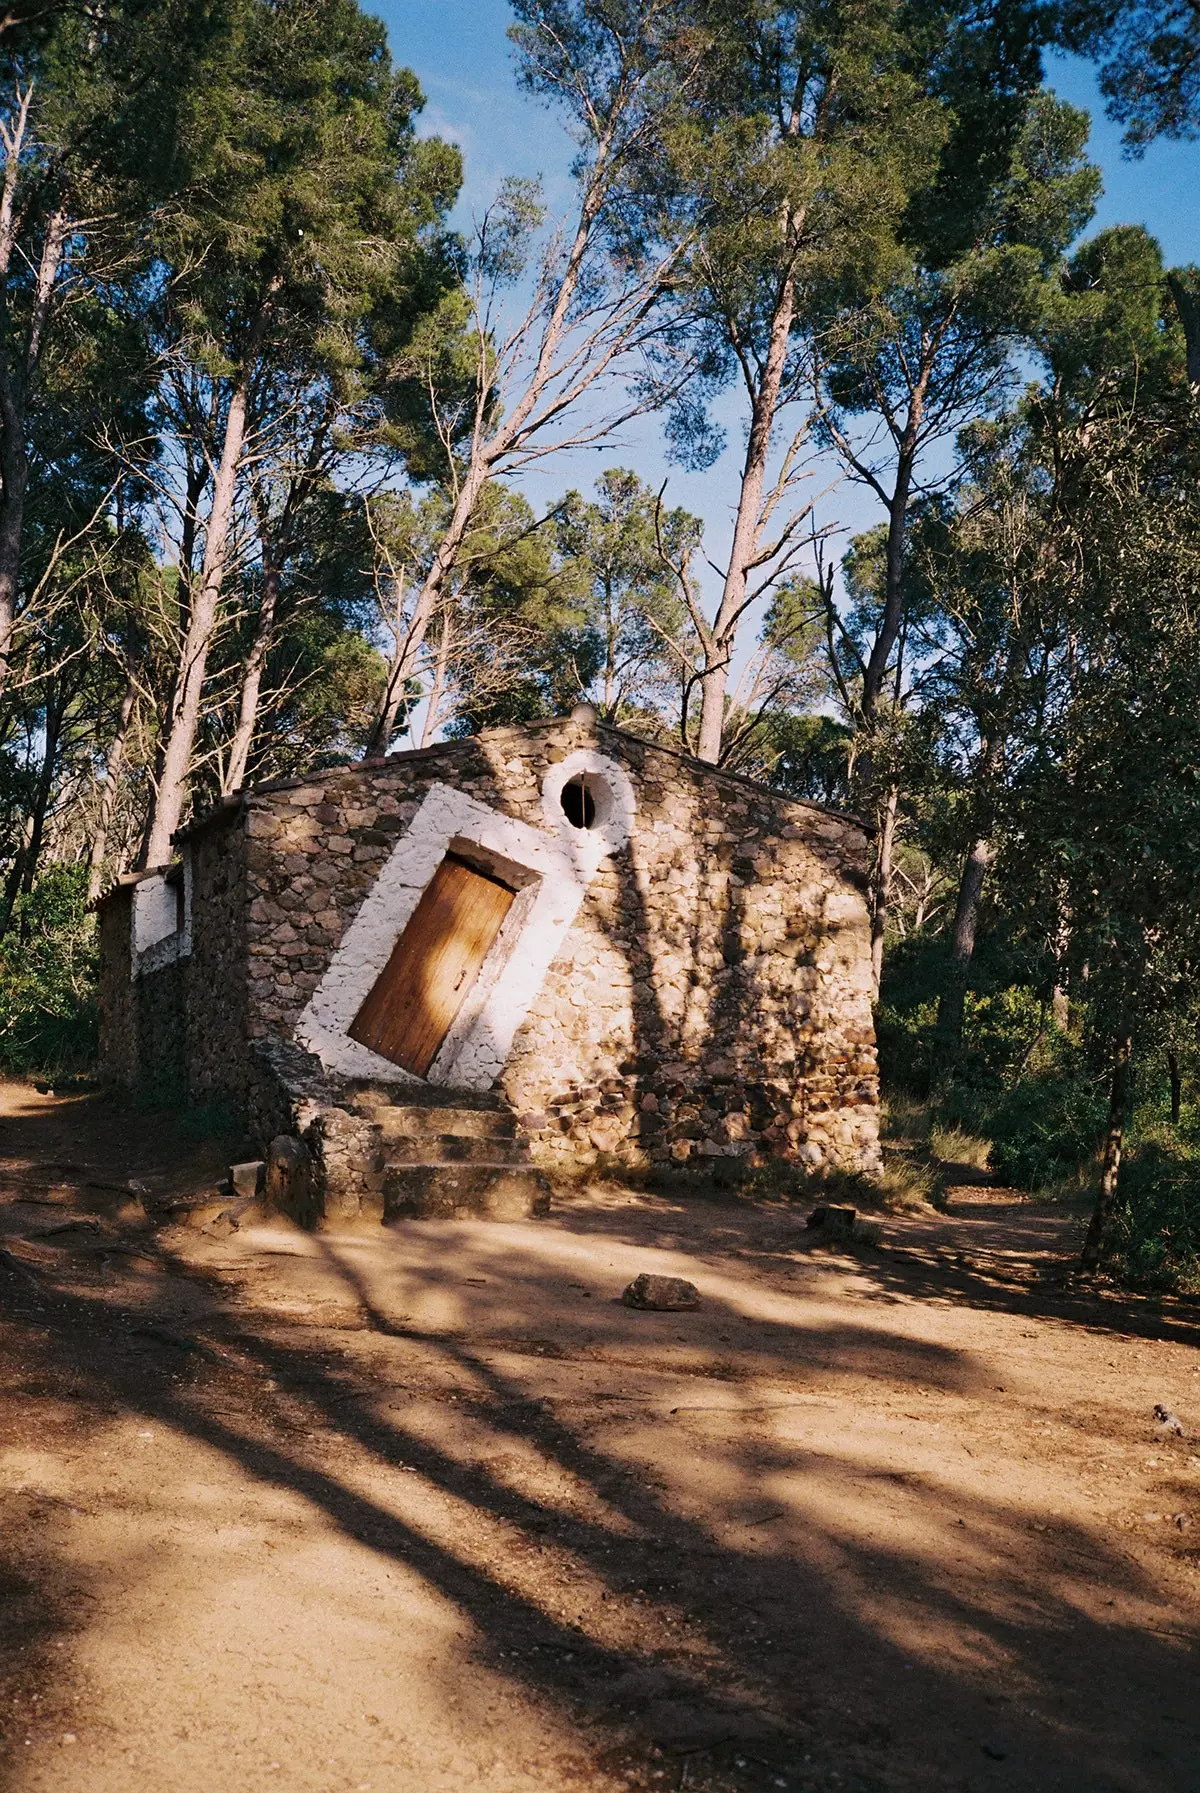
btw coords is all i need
(450, 971)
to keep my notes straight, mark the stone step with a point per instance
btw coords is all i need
(491, 1191)
(436, 1149)
(365, 1097)
(442, 1123)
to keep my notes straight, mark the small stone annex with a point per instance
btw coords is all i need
(424, 982)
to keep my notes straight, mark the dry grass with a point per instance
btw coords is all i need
(954, 1145)
(904, 1117)
(906, 1184)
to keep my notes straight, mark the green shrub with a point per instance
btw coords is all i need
(48, 970)
(1046, 1124)
(1022, 1100)
(905, 1040)
(906, 1013)
(1006, 1026)
(1003, 1033)
(1155, 1236)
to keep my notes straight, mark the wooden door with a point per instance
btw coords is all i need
(433, 965)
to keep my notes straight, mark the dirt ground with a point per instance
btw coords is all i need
(426, 1510)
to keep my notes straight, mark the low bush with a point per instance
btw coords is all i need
(1046, 1124)
(1029, 1102)
(954, 1145)
(1155, 1237)
(905, 1183)
(49, 1015)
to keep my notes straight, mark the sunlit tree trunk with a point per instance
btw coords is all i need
(114, 765)
(256, 660)
(881, 883)
(183, 716)
(722, 636)
(441, 670)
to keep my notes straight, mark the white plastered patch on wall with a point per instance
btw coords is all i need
(157, 939)
(553, 868)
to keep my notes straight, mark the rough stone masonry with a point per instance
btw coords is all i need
(684, 973)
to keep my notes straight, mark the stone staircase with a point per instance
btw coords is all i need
(446, 1158)
(387, 1152)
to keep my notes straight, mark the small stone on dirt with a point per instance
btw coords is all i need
(1169, 1421)
(247, 1180)
(839, 1221)
(666, 1294)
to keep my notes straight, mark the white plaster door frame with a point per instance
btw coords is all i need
(554, 867)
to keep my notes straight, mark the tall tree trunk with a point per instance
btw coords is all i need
(952, 1003)
(15, 380)
(1114, 1139)
(56, 706)
(1176, 1086)
(384, 725)
(611, 630)
(14, 478)
(881, 886)
(719, 642)
(722, 638)
(12, 884)
(876, 670)
(260, 647)
(23, 875)
(1185, 290)
(183, 718)
(440, 672)
(108, 797)
(431, 594)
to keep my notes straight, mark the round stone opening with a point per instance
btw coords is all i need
(578, 800)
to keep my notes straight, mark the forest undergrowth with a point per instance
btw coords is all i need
(1025, 1104)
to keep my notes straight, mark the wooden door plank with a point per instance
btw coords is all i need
(433, 965)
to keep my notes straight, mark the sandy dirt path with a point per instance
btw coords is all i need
(427, 1509)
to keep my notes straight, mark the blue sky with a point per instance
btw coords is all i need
(459, 50)
(460, 53)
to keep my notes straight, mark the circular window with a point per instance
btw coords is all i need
(588, 802)
(578, 801)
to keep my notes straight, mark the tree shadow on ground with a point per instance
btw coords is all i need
(794, 1603)
(901, 1269)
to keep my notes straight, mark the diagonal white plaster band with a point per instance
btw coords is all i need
(562, 860)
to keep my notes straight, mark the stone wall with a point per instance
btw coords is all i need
(217, 995)
(160, 1005)
(143, 1019)
(711, 997)
(118, 1034)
